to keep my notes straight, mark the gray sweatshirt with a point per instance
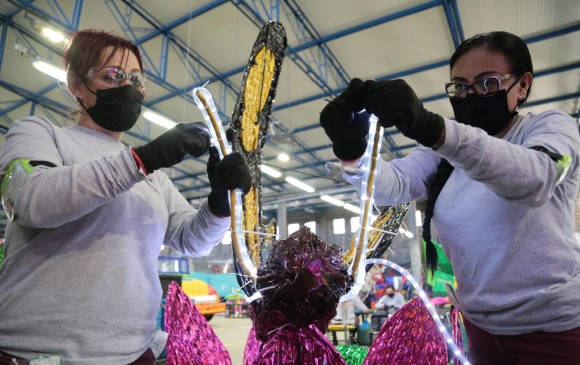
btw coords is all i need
(502, 219)
(79, 278)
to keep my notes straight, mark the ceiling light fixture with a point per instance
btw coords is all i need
(329, 199)
(270, 171)
(284, 157)
(49, 69)
(352, 208)
(158, 119)
(299, 184)
(43, 25)
(53, 35)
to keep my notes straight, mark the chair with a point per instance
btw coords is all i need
(346, 329)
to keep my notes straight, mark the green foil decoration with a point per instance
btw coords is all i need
(353, 354)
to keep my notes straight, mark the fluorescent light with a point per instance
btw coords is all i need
(418, 218)
(299, 184)
(328, 198)
(270, 171)
(53, 35)
(352, 208)
(158, 119)
(284, 157)
(50, 70)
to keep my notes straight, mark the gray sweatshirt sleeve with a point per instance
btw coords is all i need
(509, 167)
(191, 232)
(53, 196)
(401, 180)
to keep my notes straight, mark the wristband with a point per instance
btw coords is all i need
(140, 165)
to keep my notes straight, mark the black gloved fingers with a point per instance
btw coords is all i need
(233, 173)
(198, 138)
(360, 89)
(386, 98)
(339, 113)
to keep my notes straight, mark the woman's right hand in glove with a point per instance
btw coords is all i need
(171, 147)
(346, 123)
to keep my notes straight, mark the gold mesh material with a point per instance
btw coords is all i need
(251, 223)
(373, 237)
(256, 92)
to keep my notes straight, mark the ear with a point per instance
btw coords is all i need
(524, 85)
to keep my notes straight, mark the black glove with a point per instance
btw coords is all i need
(171, 147)
(228, 174)
(396, 104)
(345, 124)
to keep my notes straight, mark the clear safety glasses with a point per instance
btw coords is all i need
(114, 77)
(485, 87)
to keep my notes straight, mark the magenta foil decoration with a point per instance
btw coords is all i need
(293, 345)
(456, 333)
(301, 283)
(409, 337)
(191, 340)
(252, 349)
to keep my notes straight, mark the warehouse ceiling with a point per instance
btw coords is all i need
(187, 43)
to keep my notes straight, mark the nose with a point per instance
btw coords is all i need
(125, 81)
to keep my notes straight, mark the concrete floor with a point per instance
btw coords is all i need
(233, 332)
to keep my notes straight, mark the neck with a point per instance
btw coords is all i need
(87, 122)
(509, 126)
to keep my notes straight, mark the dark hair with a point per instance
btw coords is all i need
(444, 170)
(390, 286)
(87, 47)
(512, 47)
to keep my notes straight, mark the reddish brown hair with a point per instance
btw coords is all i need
(87, 48)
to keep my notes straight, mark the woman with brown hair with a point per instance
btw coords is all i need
(88, 216)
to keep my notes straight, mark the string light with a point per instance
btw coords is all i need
(218, 138)
(366, 203)
(430, 307)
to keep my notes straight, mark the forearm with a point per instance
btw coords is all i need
(398, 181)
(513, 171)
(195, 233)
(53, 196)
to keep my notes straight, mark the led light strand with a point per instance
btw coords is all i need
(366, 204)
(448, 338)
(205, 103)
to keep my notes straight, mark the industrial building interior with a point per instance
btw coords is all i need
(191, 43)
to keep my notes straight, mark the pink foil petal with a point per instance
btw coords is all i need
(191, 340)
(456, 333)
(253, 346)
(409, 337)
(292, 345)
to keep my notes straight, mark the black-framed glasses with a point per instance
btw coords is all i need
(112, 76)
(485, 87)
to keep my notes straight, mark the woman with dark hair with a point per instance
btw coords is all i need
(500, 188)
(88, 216)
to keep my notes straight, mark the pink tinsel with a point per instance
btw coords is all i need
(191, 339)
(293, 345)
(409, 337)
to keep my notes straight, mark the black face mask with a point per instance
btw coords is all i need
(117, 109)
(391, 295)
(488, 113)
